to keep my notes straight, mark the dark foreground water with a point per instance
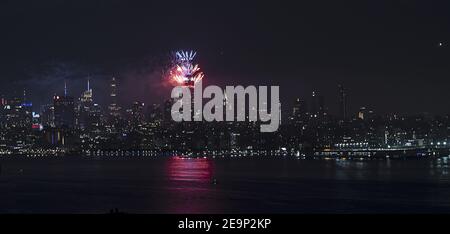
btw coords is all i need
(175, 185)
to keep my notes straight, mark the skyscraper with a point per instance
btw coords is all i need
(298, 111)
(136, 114)
(2, 111)
(85, 107)
(114, 108)
(16, 113)
(317, 105)
(155, 113)
(321, 105)
(86, 96)
(64, 111)
(167, 110)
(313, 103)
(47, 115)
(342, 102)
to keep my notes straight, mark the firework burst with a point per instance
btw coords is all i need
(184, 72)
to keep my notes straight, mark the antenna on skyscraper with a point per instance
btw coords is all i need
(65, 88)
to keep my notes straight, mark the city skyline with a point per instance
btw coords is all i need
(341, 106)
(79, 125)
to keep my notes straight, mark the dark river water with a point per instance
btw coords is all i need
(176, 185)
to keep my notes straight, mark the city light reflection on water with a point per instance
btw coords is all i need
(201, 185)
(189, 169)
(190, 185)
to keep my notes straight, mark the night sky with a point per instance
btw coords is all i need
(386, 53)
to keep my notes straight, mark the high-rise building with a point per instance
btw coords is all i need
(321, 105)
(47, 115)
(2, 111)
(136, 114)
(85, 107)
(86, 96)
(155, 113)
(167, 112)
(317, 105)
(343, 106)
(298, 111)
(64, 111)
(16, 113)
(114, 108)
(313, 103)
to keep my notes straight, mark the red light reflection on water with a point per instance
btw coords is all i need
(190, 169)
(191, 187)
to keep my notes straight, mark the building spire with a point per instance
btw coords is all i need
(65, 88)
(88, 88)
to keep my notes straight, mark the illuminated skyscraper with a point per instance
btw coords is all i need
(47, 115)
(16, 113)
(86, 97)
(136, 114)
(85, 107)
(114, 108)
